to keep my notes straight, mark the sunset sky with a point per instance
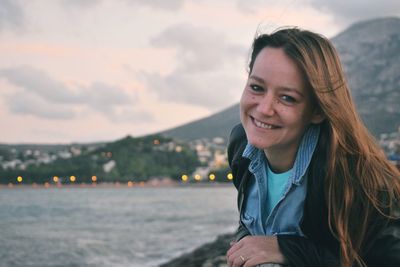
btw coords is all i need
(98, 70)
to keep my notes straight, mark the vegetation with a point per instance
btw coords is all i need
(128, 159)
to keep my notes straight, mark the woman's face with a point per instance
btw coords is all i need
(275, 107)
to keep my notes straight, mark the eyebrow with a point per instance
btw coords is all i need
(285, 88)
(258, 79)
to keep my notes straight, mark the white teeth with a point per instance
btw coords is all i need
(263, 125)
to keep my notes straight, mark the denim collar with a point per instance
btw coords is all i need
(303, 157)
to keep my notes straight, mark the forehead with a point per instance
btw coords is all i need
(277, 69)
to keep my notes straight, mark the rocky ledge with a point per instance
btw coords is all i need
(208, 255)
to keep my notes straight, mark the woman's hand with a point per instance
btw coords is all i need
(254, 250)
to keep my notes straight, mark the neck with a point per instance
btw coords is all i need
(280, 161)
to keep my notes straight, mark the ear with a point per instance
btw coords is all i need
(317, 117)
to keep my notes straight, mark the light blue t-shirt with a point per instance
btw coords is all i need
(275, 187)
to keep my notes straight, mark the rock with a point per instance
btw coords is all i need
(208, 255)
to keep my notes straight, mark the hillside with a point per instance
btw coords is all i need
(217, 125)
(370, 53)
(127, 159)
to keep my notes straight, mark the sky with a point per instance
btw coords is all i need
(99, 70)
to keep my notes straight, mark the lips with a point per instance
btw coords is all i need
(264, 125)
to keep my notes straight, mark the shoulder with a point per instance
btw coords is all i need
(237, 143)
(385, 244)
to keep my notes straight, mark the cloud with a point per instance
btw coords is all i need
(252, 6)
(104, 98)
(210, 90)
(81, 3)
(160, 4)
(11, 15)
(203, 75)
(198, 48)
(30, 104)
(38, 82)
(42, 96)
(356, 10)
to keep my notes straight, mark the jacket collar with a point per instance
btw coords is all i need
(303, 156)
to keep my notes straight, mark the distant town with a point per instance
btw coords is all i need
(390, 143)
(209, 165)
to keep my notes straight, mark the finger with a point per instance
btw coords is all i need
(234, 248)
(230, 259)
(228, 262)
(253, 262)
(238, 262)
(236, 258)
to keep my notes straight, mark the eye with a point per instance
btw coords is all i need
(256, 88)
(288, 99)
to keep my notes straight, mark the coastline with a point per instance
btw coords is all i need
(211, 254)
(117, 185)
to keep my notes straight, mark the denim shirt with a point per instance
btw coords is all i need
(286, 216)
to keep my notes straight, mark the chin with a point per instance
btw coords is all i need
(259, 143)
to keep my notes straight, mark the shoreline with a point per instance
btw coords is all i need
(115, 185)
(212, 254)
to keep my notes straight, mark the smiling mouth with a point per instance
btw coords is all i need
(263, 125)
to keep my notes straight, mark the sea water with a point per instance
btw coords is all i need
(110, 226)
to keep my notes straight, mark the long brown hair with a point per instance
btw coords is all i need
(359, 182)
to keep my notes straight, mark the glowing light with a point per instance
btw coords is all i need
(106, 154)
(211, 176)
(156, 142)
(184, 178)
(55, 179)
(197, 177)
(178, 149)
(130, 184)
(72, 178)
(19, 179)
(230, 176)
(94, 178)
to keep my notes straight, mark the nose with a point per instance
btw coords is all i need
(266, 106)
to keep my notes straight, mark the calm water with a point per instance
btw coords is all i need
(110, 226)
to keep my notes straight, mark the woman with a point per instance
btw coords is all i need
(314, 189)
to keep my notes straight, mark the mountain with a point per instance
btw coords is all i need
(217, 125)
(370, 53)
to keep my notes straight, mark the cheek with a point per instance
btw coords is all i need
(291, 115)
(286, 113)
(245, 100)
(282, 109)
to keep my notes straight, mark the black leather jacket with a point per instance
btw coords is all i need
(319, 248)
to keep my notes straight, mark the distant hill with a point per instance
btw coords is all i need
(47, 147)
(370, 53)
(127, 159)
(217, 125)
